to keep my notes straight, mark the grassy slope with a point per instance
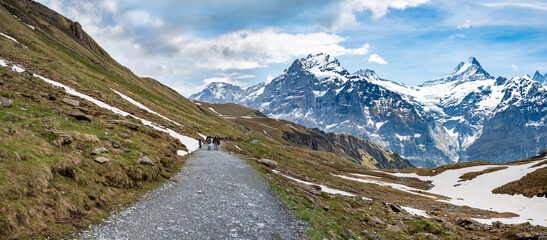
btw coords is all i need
(50, 189)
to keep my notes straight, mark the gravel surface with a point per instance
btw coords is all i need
(217, 196)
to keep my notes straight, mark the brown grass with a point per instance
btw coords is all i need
(471, 175)
(533, 184)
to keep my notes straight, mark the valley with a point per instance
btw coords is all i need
(90, 150)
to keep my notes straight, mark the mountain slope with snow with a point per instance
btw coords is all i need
(460, 117)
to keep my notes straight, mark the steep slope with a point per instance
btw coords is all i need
(460, 117)
(81, 134)
(348, 147)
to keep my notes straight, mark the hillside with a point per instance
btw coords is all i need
(82, 137)
(364, 152)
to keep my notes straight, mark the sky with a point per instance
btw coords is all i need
(187, 44)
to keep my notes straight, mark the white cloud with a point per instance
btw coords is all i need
(375, 58)
(345, 16)
(514, 67)
(537, 6)
(248, 49)
(466, 25)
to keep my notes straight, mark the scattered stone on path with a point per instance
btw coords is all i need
(70, 102)
(102, 160)
(127, 124)
(79, 115)
(267, 162)
(99, 150)
(145, 160)
(5, 102)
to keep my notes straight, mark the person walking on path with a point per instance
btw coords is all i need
(208, 140)
(199, 142)
(215, 143)
(218, 142)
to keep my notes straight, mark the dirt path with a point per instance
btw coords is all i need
(216, 196)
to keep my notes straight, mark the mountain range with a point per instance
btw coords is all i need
(465, 116)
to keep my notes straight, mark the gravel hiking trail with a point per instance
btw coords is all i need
(215, 196)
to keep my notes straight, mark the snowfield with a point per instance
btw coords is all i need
(190, 143)
(477, 193)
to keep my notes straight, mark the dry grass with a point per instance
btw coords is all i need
(533, 184)
(471, 175)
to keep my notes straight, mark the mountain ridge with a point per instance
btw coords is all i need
(448, 113)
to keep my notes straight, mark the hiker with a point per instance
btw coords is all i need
(208, 140)
(215, 143)
(218, 142)
(199, 143)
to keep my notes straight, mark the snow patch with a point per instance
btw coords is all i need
(9, 37)
(416, 211)
(323, 188)
(143, 107)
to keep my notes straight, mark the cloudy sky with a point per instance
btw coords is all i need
(187, 44)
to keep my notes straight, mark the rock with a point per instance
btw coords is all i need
(115, 144)
(124, 135)
(63, 137)
(267, 162)
(102, 160)
(70, 102)
(145, 161)
(254, 141)
(4, 102)
(79, 115)
(52, 97)
(124, 123)
(395, 208)
(99, 150)
(398, 227)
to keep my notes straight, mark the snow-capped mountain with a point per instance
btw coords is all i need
(461, 117)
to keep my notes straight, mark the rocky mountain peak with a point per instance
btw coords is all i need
(469, 67)
(321, 60)
(470, 70)
(367, 73)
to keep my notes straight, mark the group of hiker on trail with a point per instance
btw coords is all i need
(215, 141)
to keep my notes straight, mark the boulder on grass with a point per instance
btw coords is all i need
(102, 160)
(70, 102)
(4, 102)
(98, 150)
(145, 161)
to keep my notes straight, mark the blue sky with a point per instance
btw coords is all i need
(187, 44)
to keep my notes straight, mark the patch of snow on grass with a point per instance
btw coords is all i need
(415, 211)
(238, 147)
(9, 37)
(381, 183)
(323, 188)
(143, 107)
(210, 108)
(477, 193)
(2, 63)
